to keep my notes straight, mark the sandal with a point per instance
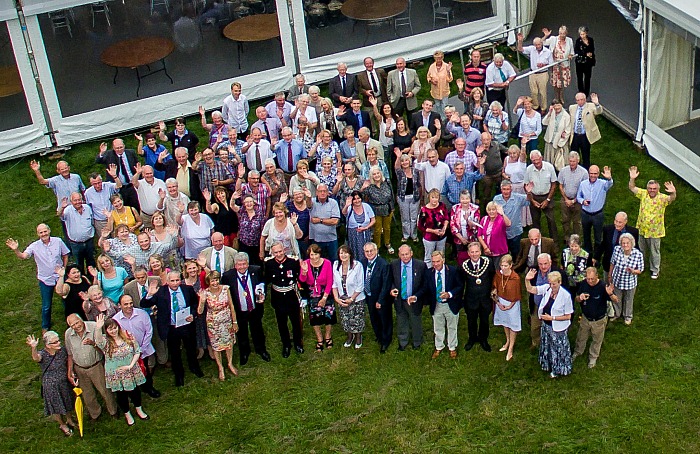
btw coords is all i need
(319, 346)
(67, 431)
(390, 249)
(329, 342)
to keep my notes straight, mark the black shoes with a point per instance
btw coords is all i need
(469, 346)
(402, 348)
(179, 381)
(299, 349)
(244, 360)
(285, 352)
(265, 356)
(154, 393)
(198, 373)
(383, 349)
(485, 345)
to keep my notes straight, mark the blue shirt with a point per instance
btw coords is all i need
(452, 187)
(151, 157)
(99, 201)
(180, 301)
(281, 150)
(78, 225)
(512, 208)
(540, 279)
(595, 193)
(472, 135)
(64, 187)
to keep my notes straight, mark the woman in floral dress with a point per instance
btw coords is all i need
(221, 320)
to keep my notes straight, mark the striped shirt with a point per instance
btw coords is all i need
(474, 76)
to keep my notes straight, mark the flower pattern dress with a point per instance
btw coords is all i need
(56, 390)
(120, 380)
(219, 320)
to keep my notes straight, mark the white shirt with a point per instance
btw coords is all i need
(148, 195)
(235, 112)
(309, 114)
(371, 74)
(494, 76)
(222, 260)
(248, 288)
(435, 176)
(354, 282)
(197, 237)
(536, 57)
(265, 152)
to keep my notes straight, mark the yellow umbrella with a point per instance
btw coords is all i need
(79, 408)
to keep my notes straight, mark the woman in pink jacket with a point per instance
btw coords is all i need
(492, 233)
(317, 273)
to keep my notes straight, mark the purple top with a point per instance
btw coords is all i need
(139, 325)
(494, 234)
(324, 283)
(250, 229)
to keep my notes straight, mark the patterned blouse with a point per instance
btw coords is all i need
(380, 198)
(575, 265)
(621, 278)
(329, 180)
(332, 151)
(250, 229)
(280, 185)
(459, 224)
(402, 179)
(260, 198)
(432, 218)
(345, 190)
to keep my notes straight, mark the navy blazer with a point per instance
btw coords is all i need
(230, 278)
(454, 283)
(335, 88)
(379, 282)
(351, 120)
(110, 157)
(163, 302)
(608, 247)
(417, 122)
(419, 272)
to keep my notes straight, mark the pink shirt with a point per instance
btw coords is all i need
(494, 234)
(324, 283)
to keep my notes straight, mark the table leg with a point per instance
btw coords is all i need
(116, 72)
(138, 79)
(240, 50)
(165, 70)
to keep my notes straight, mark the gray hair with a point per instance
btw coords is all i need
(287, 130)
(574, 238)
(574, 154)
(304, 96)
(535, 154)
(300, 76)
(171, 180)
(498, 57)
(623, 214)
(50, 336)
(496, 104)
(629, 237)
(217, 113)
(545, 256)
(270, 161)
(254, 173)
(276, 243)
(505, 183)
(314, 89)
(376, 168)
(241, 257)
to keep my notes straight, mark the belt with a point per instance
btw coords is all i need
(594, 213)
(596, 320)
(579, 133)
(89, 367)
(286, 289)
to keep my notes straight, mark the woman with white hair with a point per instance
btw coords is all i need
(327, 119)
(562, 47)
(555, 311)
(274, 179)
(409, 193)
(625, 265)
(55, 388)
(380, 197)
(556, 137)
(497, 123)
(216, 128)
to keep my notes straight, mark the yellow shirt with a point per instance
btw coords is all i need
(444, 77)
(650, 221)
(183, 179)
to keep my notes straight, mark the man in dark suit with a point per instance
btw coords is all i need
(248, 293)
(532, 246)
(372, 82)
(350, 117)
(408, 288)
(172, 166)
(125, 160)
(445, 287)
(343, 87)
(170, 299)
(611, 238)
(424, 117)
(479, 272)
(377, 282)
(544, 266)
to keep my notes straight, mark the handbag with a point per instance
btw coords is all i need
(611, 309)
(515, 130)
(142, 366)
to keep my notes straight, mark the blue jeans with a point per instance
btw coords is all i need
(83, 253)
(532, 144)
(329, 249)
(46, 292)
(514, 245)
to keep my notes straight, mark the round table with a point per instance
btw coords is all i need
(10, 82)
(371, 11)
(135, 52)
(259, 27)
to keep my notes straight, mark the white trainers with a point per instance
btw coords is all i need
(654, 276)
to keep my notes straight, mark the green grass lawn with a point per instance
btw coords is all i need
(641, 397)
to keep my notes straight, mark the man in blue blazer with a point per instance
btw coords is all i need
(350, 117)
(170, 299)
(377, 283)
(408, 288)
(444, 293)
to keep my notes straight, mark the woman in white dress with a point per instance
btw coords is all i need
(514, 167)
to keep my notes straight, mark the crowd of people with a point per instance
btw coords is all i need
(178, 245)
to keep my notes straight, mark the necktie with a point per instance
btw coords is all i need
(248, 296)
(616, 236)
(290, 158)
(370, 268)
(438, 287)
(537, 253)
(579, 121)
(503, 76)
(403, 85)
(375, 89)
(359, 120)
(342, 83)
(404, 282)
(124, 169)
(217, 265)
(258, 162)
(267, 131)
(143, 292)
(176, 303)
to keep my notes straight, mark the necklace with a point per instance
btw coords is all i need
(504, 281)
(477, 274)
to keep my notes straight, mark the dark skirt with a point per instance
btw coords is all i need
(324, 315)
(352, 318)
(555, 351)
